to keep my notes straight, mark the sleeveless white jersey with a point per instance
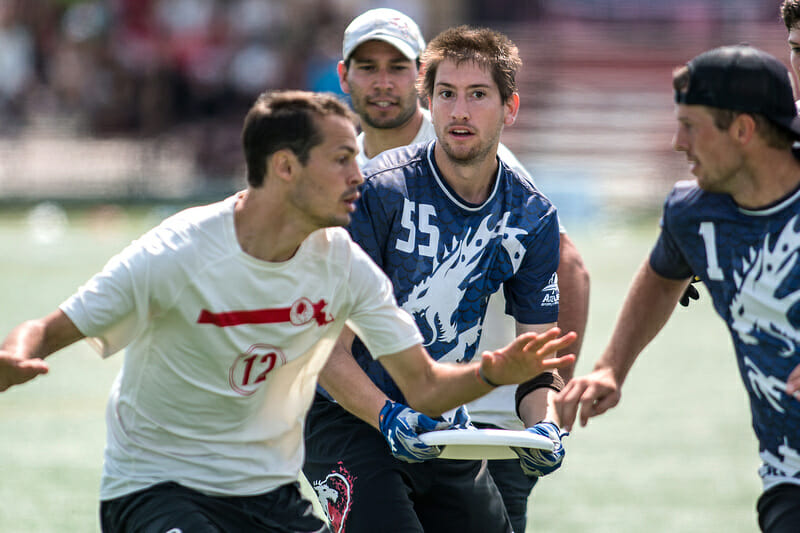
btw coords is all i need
(224, 350)
(497, 407)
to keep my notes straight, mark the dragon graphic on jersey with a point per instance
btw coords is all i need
(436, 298)
(757, 306)
(335, 493)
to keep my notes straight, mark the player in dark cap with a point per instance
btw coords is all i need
(737, 226)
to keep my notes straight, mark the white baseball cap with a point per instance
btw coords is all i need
(387, 25)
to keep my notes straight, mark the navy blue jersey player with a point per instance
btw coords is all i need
(749, 262)
(738, 228)
(446, 256)
(449, 223)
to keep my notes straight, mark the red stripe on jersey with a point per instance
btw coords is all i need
(301, 312)
(236, 318)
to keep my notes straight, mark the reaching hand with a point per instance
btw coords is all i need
(527, 356)
(691, 293)
(14, 370)
(594, 393)
(539, 463)
(401, 427)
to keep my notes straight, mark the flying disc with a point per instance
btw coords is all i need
(472, 444)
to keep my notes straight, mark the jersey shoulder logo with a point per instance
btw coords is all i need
(550, 291)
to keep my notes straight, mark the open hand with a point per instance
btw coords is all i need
(527, 356)
(15, 370)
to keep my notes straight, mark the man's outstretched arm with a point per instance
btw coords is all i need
(434, 388)
(23, 351)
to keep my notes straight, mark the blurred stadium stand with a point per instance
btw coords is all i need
(142, 100)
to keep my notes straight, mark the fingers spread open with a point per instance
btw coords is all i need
(553, 345)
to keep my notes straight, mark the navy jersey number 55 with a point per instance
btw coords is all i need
(446, 256)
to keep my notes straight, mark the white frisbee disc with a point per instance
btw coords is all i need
(472, 444)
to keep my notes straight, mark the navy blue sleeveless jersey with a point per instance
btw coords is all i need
(749, 262)
(445, 256)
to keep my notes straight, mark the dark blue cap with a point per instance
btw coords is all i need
(742, 78)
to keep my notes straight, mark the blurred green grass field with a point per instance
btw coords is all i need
(676, 455)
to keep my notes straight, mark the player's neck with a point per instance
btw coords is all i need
(265, 229)
(773, 177)
(377, 140)
(473, 181)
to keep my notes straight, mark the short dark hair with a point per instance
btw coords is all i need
(790, 13)
(281, 120)
(485, 47)
(773, 135)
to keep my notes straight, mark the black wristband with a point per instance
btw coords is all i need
(482, 377)
(545, 380)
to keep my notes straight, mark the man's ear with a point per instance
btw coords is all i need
(283, 164)
(512, 108)
(341, 68)
(743, 128)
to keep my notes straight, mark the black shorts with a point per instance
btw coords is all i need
(170, 507)
(364, 489)
(779, 509)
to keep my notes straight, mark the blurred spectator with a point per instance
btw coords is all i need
(188, 69)
(16, 65)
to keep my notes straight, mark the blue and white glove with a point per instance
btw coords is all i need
(401, 427)
(539, 463)
(461, 419)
